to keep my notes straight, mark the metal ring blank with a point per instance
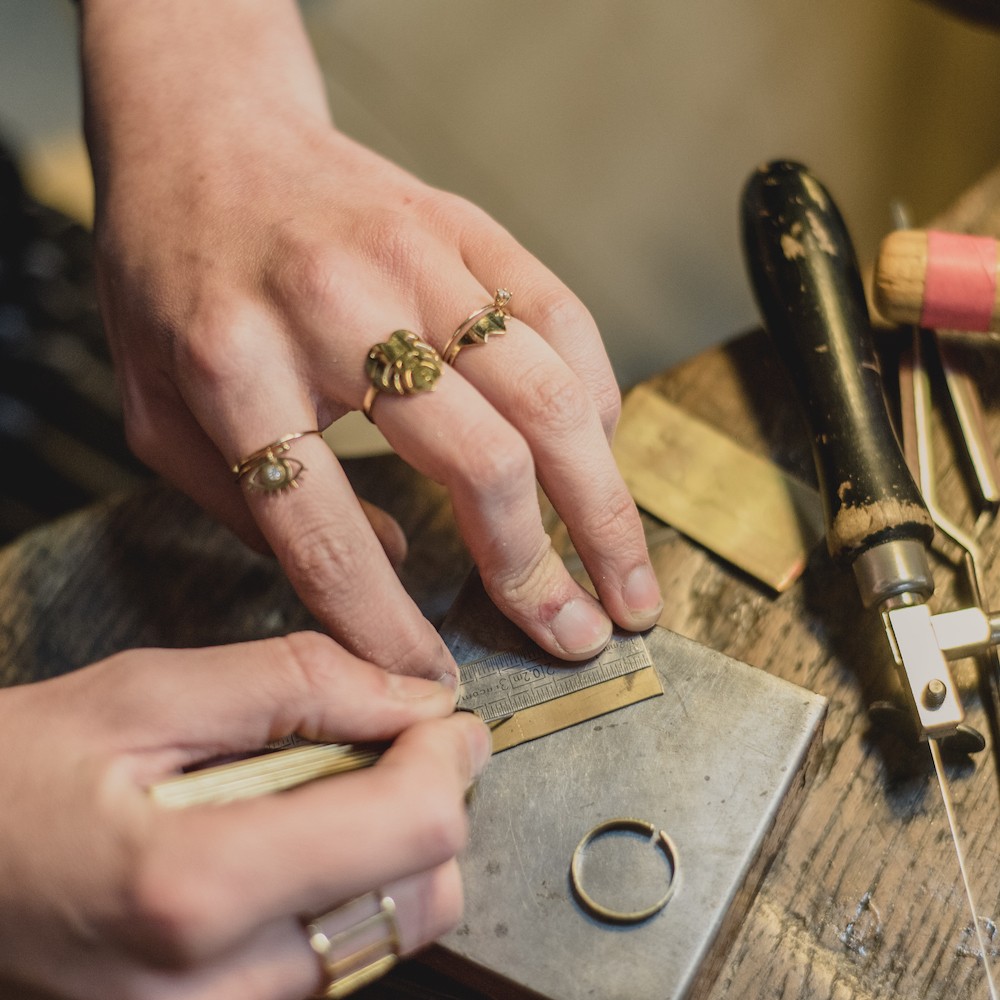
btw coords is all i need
(618, 916)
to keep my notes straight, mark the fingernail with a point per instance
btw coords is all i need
(450, 680)
(408, 688)
(580, 627)
(449, 676)
(642, 592)
(480, 744)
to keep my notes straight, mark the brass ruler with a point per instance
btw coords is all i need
(499, 686)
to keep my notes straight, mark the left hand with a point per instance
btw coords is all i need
(106, 895)
(249, 257)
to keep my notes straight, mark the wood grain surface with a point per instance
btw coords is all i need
(864, 899)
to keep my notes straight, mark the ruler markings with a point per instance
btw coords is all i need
(505, 683)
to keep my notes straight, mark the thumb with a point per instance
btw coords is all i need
(231, 699)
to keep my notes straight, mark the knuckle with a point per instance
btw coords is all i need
(212, 352)
(445, 211)
(413, 647)
(308, 655)
(615, 520)
(311, 276)
(320, 558)
(325, 565)
(558, 309)
(497, 459)
(394, 241)
(521, 583)
(555, 400)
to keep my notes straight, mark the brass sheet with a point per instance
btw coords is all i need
(737, 504)
(560, 713)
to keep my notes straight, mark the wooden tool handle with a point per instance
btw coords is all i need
(939, 280)
(806, 280)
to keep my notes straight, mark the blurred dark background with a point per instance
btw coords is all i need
(61, 439)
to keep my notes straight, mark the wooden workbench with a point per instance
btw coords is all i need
(864, 899)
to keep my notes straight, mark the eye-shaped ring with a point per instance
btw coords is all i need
(270, 470)
(271, 475)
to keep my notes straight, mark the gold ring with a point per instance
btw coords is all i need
(268, 470)
(403, 365)
(356, 943)
(477, 327)
(603, 912)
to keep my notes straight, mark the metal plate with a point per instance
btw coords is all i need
(734, 502)
(718, 762)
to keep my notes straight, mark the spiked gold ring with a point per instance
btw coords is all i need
(268, 469)
(477, 327)
(356, 943)
(403, 365)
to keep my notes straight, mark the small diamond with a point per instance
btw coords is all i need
(274, 473)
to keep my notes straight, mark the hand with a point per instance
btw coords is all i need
(104, 894)
(250, 256)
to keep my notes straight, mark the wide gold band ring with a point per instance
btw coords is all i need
(268, 469)
(477, 327)
(356, 943)
(605, 913)
(403, 365)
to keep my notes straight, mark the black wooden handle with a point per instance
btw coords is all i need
(806, 280)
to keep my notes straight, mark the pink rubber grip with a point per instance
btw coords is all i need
(961, 282)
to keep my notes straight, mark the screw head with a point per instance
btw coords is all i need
(935, 693)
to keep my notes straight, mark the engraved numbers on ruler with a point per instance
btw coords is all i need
(500, 685)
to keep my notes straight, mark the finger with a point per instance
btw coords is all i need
(334, 560)
(314, 524)
(235, 698)
(522, 376)
(427, 905)
(272, 962)
(163, 434)
(564, 404)
(388, 532)
(275, 960)
(545, 304)
(489, 472)
(331, 840)
(528, 383)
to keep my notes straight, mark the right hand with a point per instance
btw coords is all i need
(105, 894)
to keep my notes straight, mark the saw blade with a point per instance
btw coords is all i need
(949, 808)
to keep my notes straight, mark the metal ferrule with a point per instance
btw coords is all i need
(895, 572)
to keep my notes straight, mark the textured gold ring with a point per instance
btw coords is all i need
(603, 912)
(356, 943)
(477, 327)
(403, 365)
(268, 469)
